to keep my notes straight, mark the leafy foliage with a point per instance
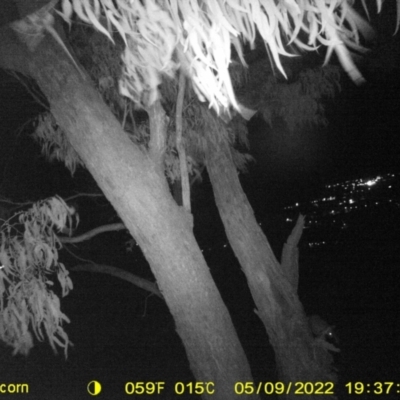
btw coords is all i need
(28, 258)
(162, 37)
(55, 145)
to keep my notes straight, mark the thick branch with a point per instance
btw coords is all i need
(290, 253)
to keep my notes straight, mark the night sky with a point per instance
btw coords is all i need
(121, 334)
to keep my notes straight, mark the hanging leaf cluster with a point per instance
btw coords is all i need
(161, 37)
(55, 145)
(29, 258)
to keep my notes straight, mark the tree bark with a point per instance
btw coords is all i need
(276, 299)
(137, 188)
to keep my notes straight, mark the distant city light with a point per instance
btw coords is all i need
(339, 201)
(371, 182)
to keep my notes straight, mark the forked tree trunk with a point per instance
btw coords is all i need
(278, 305)
(137, 188)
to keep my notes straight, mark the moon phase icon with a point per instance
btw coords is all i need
(94, 388)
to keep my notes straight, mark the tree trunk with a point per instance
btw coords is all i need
(277, 303)
(138, 190)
